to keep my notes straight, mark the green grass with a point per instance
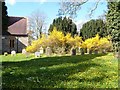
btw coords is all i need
(18, 57)
(86, 71)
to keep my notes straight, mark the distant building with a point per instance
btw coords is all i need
(17, 37)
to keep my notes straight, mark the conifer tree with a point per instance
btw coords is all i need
(113, 24)
(4, 19)
(66, 25)
(93, 27)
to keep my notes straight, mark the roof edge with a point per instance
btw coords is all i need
(18, 16)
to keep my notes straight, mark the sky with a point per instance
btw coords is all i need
(50, 8)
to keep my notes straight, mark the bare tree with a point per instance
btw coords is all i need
(71, 7)
(37, 23)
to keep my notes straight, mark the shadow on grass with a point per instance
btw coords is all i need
(48, 61)
(45, 72)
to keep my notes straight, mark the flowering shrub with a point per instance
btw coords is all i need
(31, 49)
(97, 44)
(92, 43)
(61, 43)
(56, 38)
(105, 44)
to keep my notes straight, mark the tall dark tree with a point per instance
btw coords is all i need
(93, 27)
(4, 19)
(66, 25)
(113, 24)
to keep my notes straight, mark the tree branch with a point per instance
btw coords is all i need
(72, 6)
(94, 8)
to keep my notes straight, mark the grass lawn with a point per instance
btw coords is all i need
(86, 71)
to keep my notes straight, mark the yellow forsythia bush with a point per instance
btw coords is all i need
(57, 40)
(31, 49)
(105, 44)
(97, 44)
